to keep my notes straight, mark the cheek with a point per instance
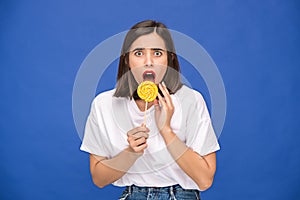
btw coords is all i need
(134, 62)
(131, 62)
(137, 73)
(161, 72)
(163, 60)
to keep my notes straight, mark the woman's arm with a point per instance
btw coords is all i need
(200, 168)
(106, 171)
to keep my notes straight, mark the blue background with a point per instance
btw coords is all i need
(255, 45)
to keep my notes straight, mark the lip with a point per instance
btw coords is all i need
(149, 71)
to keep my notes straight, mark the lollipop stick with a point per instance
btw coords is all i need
(145, 113)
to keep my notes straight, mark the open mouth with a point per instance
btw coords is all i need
(149, 76)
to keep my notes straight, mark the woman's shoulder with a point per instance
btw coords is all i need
(189, 94)
(190, 99)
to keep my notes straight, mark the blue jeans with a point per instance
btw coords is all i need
(174, 192)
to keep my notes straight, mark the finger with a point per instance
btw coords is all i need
(137, 129)
(146, 128)
(140, 134)
(161, 100)
(166, 89)
(166, 94)
(130, 140)
(162, 89)
(134, 140)
(140, 148)
(138, 142)
(156, 105)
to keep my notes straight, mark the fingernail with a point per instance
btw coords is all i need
(164, 84)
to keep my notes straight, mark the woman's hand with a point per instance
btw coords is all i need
(164, 110)
(137, 139)
(106, 171)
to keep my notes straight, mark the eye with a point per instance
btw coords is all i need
(138, 53)
(158, 53)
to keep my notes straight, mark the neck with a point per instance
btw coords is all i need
(142, 104)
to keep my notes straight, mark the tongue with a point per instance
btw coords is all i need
(149, 77)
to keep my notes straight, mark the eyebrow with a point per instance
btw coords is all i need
(155, 49)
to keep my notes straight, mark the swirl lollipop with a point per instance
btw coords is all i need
(147, 91)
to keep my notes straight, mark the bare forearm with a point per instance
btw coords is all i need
(108, 171)
(189, 161)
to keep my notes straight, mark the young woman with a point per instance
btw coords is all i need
(172, 155)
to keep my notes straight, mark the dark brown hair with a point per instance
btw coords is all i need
(126, 84)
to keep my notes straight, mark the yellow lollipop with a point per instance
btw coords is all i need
(147, 91)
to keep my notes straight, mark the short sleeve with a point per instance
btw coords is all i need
(94, 139)
(201, 136)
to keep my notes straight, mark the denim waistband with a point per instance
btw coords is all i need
(171, 189)
(134, 192)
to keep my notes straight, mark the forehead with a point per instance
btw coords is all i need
(151, 40)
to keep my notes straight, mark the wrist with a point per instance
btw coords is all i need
(166, 130)
(132, 153)
(177, 148)
(168, 134)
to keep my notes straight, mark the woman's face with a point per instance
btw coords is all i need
(148, 59)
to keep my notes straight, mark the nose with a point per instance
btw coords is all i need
(148, 59)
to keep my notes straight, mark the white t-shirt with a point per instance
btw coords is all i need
(112, 117)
